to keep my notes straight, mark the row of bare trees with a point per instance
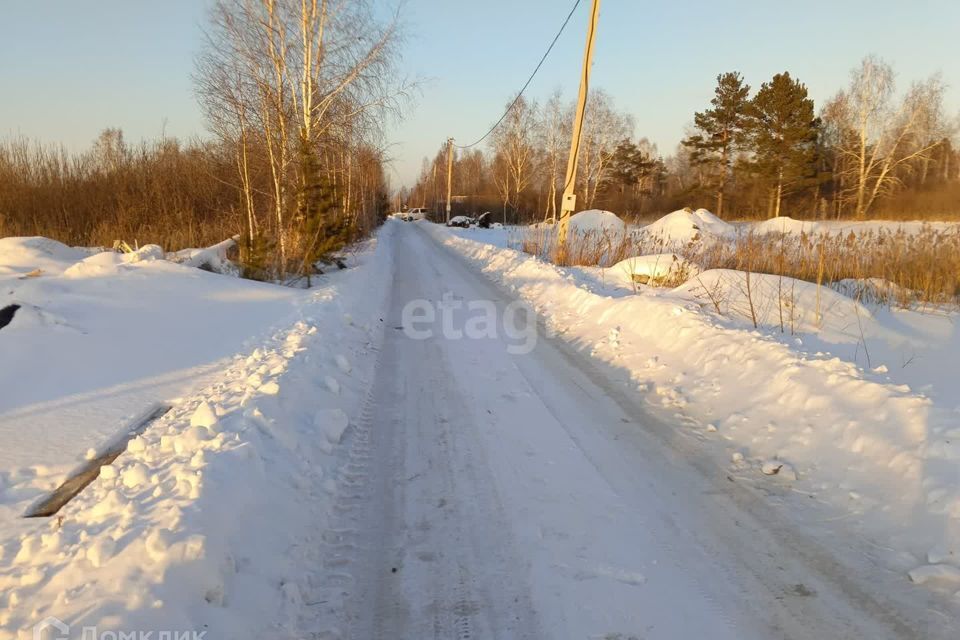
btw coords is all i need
(521, 174)
(296, 93)
(877, 143)
(868, 152)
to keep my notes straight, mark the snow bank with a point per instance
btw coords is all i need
(783, 224)
(791, 226)
(683, 226)
(598, 222)
(877, 291)
(19, 256)
(109, 263)
(39, 256)
(879, 458)
(212, 518)
(109, 335)
(774, 302)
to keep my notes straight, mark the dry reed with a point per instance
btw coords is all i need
(886, 267)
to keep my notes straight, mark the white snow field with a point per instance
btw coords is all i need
(207, 520)
(98, 340)
(331, 471)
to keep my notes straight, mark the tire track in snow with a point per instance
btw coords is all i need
(414, 517)
(669, 549)
(343, 546)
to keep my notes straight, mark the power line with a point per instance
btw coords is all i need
(527, 83)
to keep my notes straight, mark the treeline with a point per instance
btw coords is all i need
(167, 192)
(295, 93)
(868, 152)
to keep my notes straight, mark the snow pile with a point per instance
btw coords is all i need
(212, 518)
(212, 258)
(101, 341)
(38, 256)
(658, 269)
(772, 301)
(596, 221)
(876, 291)
(497, 234)
(794, 227)
(878, 457)
(684, 226)
(784, 224)
(108, 263)
(20, 256)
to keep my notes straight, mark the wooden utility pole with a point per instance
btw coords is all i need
(569, 202)
(449, 174)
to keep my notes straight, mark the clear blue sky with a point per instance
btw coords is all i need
(69, 69)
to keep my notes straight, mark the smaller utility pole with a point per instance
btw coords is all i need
(569, 201)
(449, 174)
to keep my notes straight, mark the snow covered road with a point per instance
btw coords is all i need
(496, 494)
(404, 455)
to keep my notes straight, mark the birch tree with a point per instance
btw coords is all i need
(603, 129)
(300, 80)
(553, 138)
(513, 144)
(501, 172)
(877, 135)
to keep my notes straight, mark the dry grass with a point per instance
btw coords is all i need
(173, 194)
(885, 267)
(590, 249)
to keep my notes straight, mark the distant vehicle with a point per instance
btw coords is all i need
(418, 213)
(484, 220)
(460, 221)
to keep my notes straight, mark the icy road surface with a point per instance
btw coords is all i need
(495, 495)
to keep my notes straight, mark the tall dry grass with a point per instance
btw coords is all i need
(165, 192)
(590, 249)
(887, 267)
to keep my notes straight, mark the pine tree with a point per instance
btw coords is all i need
(722, 130)
(258, 255)
(783, 137)
(630, 167)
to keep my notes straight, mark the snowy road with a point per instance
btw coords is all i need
(491, 495)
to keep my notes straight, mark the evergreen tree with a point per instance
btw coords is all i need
(630, 167)
(722, 130)
(324, 229)
(783, 136)
(258, 255)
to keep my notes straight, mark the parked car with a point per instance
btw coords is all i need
(460, 221)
